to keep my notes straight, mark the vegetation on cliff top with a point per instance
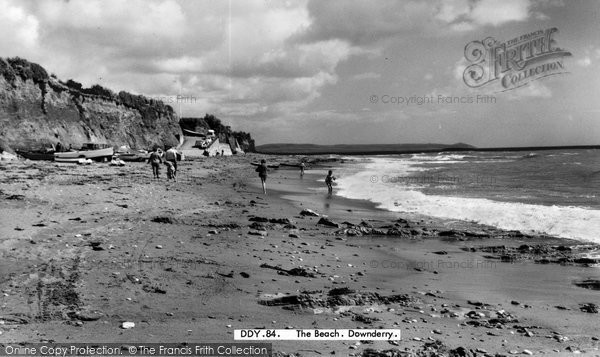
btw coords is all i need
(13, 68)
(18, 67)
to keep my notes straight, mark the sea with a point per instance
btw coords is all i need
(555, 193)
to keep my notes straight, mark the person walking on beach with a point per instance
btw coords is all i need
(302, 167)
(329, 182)
(171, 156)
(262, 173)
(155, 160)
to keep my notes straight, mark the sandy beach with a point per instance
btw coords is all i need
(86, 248)
(463, 220)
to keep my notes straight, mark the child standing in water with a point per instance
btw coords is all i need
(262, 173)
(302, 166)
(329, 182)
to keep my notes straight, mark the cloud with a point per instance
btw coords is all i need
(240, 60)
(330, 126)
(366, 75)
(19, 29)
(534, 89)
(585, 61)
(297, 60)
(276, 66)
(451, 10)
(367, 24)
(260, 52)
(467, 15)
(540, 16)
(160, 20)
(590, 53)
(495, 13)
(462, 26)
(548, 3)
(364, 23)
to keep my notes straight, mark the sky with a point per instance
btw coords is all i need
(324, 71)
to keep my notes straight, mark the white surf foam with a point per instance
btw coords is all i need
(562, 221)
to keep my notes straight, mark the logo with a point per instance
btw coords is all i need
(514, 63)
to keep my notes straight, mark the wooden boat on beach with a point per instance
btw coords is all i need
(287, 164)
(45, 152)
(133, 156)
(36, 155)
(96, 152)
(272, 166)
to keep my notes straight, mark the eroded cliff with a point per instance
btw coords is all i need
(37, 110)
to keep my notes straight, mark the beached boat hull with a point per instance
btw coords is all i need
(272, 166)
(74, 156)
(81, 161)
(290, 165)
(37, 156)
(136, 157)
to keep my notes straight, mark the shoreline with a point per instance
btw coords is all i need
(315, 196)
(438, 201)
(200, 229)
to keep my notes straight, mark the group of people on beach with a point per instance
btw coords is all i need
(262, 170)
(170, 161)
(169, 158)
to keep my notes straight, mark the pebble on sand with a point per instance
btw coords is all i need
(309, 212)
(127, 325)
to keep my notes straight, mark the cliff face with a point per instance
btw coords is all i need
(36, 110)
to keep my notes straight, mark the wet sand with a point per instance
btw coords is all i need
(84, 248)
